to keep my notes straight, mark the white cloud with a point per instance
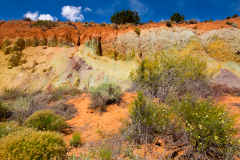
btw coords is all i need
(138, 6)
(72, 13)
(32, 15)
(87, 9)
(46, 17)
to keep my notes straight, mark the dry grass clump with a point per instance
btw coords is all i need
(105, 94)
(220, 50)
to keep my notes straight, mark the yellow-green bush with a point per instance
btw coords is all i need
(147, 119)
(209, 127)
(166, 74)
(8, 128)
(32, 145)
(46, 120)
(76, 140)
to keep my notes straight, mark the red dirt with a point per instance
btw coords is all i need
(15, 29)
(92, 125)
(233, 106)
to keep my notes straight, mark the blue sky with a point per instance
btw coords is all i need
(101, 10)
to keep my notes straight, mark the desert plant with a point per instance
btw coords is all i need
(28, 43)
(177, 17)
(31, 144)
(15, 59)
(5, 43)
(34, 42)
(169, 24)
(105, 94)
(27, 19)
(192, 21)
(168, 74)
(46, 120)
(59, 92)
(45, 24)
(19, 44)
(105, 153)
(138, 31)
(76, 140)
(7, 128)
(125, 16)
(147, 119)
(235, 16)
(209, 127)
(7, 50)
(12, 93)
(221, 50)
(22, 108)
(229, 23)
(67, 111)
(43, 42)
(4, 112)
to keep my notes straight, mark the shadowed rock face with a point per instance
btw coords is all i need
(228, 79)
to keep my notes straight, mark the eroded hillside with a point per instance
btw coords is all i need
(121, 49)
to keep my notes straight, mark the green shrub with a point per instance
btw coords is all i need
(169, 24)
(7, 50)
(76, 140)
(105, 153)
(147, 118)
(192, 21)
(29, 144)
(235, 16)
(125, 16)
(4, 112)
(45, 24)
(28, 43)
(22, 108)
(105, 94)
(229, 23)
(138, 31)
(43, 42)
(34, 42)
(168, 74)
(67, 111)
(5, 43)
(7, 128)
(59, 92)
(209, 128)
(19, 44)
(46, 120)
(15, 59)
(177, 17)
